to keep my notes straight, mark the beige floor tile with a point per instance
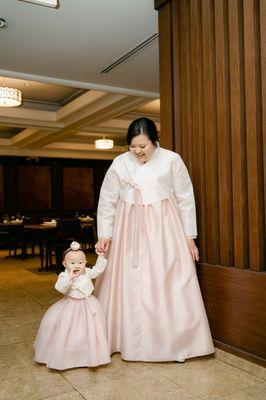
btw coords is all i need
(240, 363)
(257, 392)
(208, 377)
(117, 370)
(19, 355)
(31, 383)
(144, 386)
(25, 295)
(80, 377)
(9, 336)
(67, 396)
(18, 300)
(16, 316)
(3, 324)
(25, 331)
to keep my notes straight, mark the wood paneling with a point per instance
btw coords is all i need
(238, 135)
(213, 81)
(253, 132)
(166, 84)
(236, 314)
(77, 188)
(51, 187)
(34, 188)
(215, 62)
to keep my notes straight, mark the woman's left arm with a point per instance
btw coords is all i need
(186, 203)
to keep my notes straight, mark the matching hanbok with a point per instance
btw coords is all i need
(72, 332)
(149, 291)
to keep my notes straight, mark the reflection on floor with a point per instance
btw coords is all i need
(25, 294)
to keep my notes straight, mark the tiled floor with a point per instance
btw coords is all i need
(25, 294)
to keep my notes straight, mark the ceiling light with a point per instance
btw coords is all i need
(10, 97)
(47, 3)
(104, 144)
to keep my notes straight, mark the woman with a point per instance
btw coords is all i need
(146, 221)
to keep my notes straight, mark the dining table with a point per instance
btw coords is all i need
(40, 233)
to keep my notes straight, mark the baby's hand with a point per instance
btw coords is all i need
(74, 274)
(71, 274)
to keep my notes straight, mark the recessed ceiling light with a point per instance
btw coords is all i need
(3, 23)
(47, 3)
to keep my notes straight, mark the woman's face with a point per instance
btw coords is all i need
(142, 147)
(75, 261)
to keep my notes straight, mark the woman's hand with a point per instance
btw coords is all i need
(193, 249)
(102, 246)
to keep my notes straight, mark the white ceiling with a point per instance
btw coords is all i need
(58, 54)
(76, 41)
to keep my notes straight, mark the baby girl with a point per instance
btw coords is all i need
(72, 332)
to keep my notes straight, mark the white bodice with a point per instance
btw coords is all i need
(163, 176)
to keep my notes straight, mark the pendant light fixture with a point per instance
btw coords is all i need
(10, 97)
(104, 144)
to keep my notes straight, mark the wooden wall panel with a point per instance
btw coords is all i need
(211, 218)
(77, 188)
(217, 65)
(223, 131)
(253, 132)
(262, 14)
(233, 318)
(34, 185)
(238, 135)
(166, 84)
(197, 118)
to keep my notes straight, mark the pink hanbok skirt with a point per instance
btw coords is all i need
(72, 334)
(150, 292)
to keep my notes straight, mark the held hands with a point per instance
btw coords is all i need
(102, 246)
(193, 249)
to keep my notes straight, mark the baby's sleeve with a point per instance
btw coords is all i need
(63, 283)
(98, 268)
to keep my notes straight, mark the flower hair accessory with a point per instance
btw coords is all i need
(74, 246)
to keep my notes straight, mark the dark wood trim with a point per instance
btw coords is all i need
(159, 3)
(240, 353)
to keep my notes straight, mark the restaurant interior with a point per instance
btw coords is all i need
(73, 75)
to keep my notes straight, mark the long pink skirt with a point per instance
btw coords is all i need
(149, 291)
(72, 334)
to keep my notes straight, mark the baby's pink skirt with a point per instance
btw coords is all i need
(72, 334)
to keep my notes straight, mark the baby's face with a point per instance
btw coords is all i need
(75, 261)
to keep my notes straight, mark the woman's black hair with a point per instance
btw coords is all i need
(142, 125)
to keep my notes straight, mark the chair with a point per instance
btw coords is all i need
(30, 237)
(16, 239)
(6, 240)
(87, 238)
(68, 230)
